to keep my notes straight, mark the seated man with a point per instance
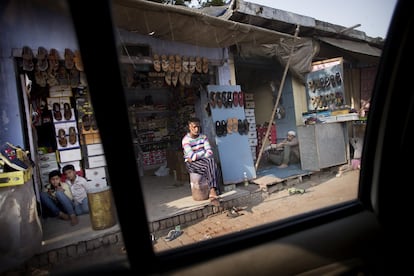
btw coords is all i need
(198, 157)
(287, 151)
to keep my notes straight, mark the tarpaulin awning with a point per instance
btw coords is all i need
(186, 25)
(352, 46)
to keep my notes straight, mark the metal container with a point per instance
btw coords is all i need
(102, 210)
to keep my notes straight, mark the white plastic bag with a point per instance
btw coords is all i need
(162, 171)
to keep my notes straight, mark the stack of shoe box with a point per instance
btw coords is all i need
(47, 163)
(93, 153)
(95, 171)
(66, 129)
(251, 118)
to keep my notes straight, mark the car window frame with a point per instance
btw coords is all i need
(130, 206)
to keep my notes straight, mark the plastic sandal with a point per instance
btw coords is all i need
(173, 234)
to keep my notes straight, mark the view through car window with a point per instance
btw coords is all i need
(281, 110)
(241, 115)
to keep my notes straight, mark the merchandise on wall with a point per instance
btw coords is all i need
(232, 132)
(161, 97)
(64, 120)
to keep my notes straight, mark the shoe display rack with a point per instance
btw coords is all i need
(67, 132)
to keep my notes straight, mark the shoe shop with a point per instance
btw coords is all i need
(251, 87)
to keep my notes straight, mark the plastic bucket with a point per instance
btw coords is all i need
(101, 208)
(199, 187)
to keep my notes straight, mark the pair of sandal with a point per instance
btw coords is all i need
(243, 126)
(173, 234)
(221, 128)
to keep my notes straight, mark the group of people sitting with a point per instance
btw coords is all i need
(65, 199)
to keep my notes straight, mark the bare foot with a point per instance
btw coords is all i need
(63, 216)
(73, 220)
(213, 193)
(282, 166)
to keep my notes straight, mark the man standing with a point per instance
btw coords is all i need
(287, 151)
(198, 157)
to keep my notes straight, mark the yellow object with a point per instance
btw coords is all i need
(101, 208)
(339, 112)
(15, 178)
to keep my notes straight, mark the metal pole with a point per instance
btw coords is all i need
(282, 83)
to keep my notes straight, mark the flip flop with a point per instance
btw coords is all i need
(241, 99)
(42, 63)
(229, 99)
(233, 213)
(62, 138)
(245, 126)
(72, 135)
(56, 112)
(67, 112)
(224, 127)
(338, 78)
(240, 126)
(219, 101)
(229, 125)
(164, 63)
(173, 234)
(224, 99)
(69, 63)
(185, 65)
(235, 98)
(171, 63)
(213, 99)
(27, 55)
(198, 65)
(157, 63)
(78, 61)
(192, 65)
(235, 125)
(86, 122)
(53, 59)
(204, 66)
(293, 191)
(178, 63)
(219, 131)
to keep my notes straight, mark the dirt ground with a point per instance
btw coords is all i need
(320, 191)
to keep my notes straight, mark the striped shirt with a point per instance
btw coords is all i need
(196, 148)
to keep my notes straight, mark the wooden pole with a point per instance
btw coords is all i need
(282, 83)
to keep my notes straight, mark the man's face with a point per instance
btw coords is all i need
(290, 137)
(194, 129)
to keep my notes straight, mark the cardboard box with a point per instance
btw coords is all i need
(249, 112)
(70, 155)
(94, 149)
(248, 96)
(91, 138)
(95, 161)
(95, 173)
(96, 183)
(60, 91)
(250, 104)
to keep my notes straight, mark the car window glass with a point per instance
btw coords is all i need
(248, 103)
